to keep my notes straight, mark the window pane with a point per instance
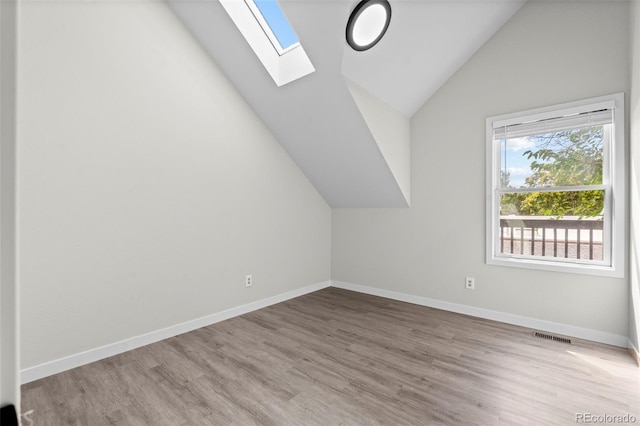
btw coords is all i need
(278, 23)
(566, 225)
(571, 157)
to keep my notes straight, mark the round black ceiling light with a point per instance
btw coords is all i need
(367, 23)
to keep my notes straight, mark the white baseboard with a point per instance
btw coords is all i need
(57, 366)
(537, 324)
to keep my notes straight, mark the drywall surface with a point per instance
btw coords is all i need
(548, 53)
(148, 188)
(634, 114)
(392, 132)
(314, 118)
(9, 336)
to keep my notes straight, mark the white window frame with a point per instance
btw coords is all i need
(614, 228)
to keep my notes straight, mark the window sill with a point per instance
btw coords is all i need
(556, 266)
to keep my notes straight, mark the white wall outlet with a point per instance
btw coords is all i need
(248, 281)
(470, 283)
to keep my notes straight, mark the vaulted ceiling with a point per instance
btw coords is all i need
(347, 124)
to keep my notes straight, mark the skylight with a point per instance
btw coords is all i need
(276, 22)
(272, 38)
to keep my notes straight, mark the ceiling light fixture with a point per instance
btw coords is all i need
(367, 23)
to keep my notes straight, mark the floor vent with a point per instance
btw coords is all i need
(552, 337)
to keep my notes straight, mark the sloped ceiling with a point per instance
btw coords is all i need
(316, 118)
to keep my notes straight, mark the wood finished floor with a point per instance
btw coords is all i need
(336, 357)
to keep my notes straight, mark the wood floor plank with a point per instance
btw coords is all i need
(336, 357)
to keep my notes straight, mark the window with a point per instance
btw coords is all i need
(274, 24)
(265, 27)
(555, 183)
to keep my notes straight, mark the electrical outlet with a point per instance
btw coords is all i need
(248, 281)
(470, 283)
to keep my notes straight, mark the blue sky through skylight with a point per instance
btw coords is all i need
(278, 23)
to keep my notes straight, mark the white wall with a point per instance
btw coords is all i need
(548, 53)
(634, 113)
(9, 341)
(391, 131)
(148, 188)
